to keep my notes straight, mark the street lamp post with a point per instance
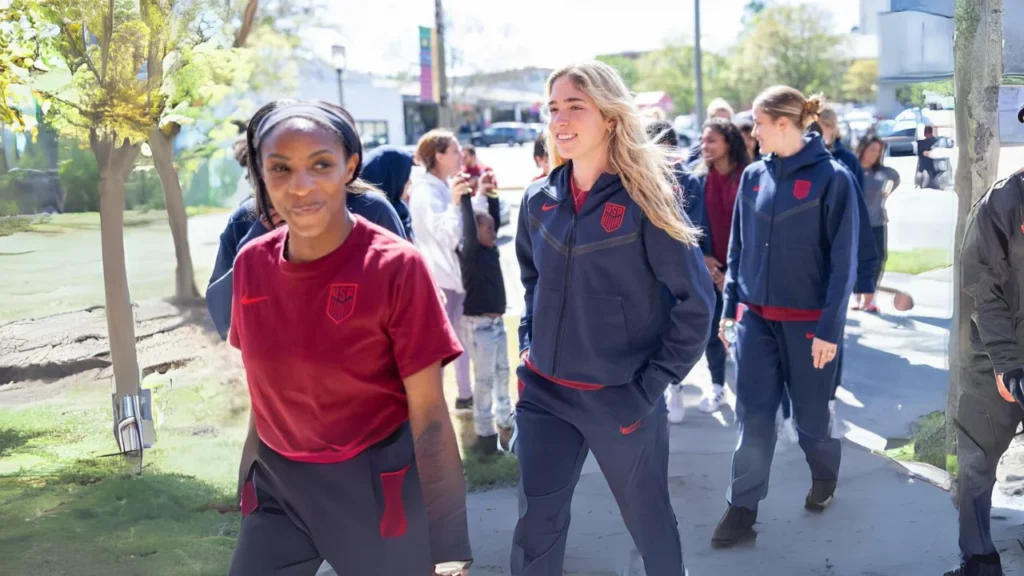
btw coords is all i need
(697, 61)
(338, 58)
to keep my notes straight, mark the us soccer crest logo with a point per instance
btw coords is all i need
(611, 219)
(341, 301)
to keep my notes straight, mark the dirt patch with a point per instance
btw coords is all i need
(168, 336)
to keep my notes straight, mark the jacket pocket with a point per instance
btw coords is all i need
(547, 307)
(595, 343)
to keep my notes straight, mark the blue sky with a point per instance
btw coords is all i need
(381, 35)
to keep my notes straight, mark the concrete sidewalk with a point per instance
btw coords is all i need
(886, 519)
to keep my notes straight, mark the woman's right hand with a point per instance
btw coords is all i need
(460, 187)
(721, 331)
(715, 268)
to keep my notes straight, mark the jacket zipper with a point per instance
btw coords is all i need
(570, 243)
(777, 164)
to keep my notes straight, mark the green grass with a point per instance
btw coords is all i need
(927, 444)
(918, 260)
(11, 224)
(65, 509)
(204, 210)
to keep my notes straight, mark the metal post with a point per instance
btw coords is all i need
(443, 113)
(697, 67)
(341, 87)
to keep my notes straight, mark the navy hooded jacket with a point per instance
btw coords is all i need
(868, 258)
(794, 235)
(243, 226)
(388, 168)
(611, 300)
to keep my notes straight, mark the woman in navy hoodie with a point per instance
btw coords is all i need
(618, 305)
(792, 260)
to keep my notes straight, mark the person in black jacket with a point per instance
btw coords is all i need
(482, 321)
(986, 397)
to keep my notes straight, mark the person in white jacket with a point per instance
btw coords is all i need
(437, 225)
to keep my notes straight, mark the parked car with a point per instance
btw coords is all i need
(900, 136)
(858, 123)
(511, 133)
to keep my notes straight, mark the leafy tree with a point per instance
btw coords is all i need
(860, 84)
(92, 51)
(786, 44)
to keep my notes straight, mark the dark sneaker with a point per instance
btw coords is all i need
(463, 405)
(988, 565)
(821, 495)
(485, 446)
(736, 526)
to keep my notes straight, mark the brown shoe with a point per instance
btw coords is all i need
(735, 527)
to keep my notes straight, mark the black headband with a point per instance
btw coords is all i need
(333, 118)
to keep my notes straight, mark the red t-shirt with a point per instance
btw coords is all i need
(720, 197)
(578, 196)
(326, 344)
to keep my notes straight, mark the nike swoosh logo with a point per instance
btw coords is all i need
(809, 335)
(627, 430)
(547, 207)
(246, 300)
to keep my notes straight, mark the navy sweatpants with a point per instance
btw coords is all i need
(364, 515)
(773, 357)
(557, 427)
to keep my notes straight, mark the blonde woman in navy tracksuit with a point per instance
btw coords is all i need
(792, 263)
(618, 305)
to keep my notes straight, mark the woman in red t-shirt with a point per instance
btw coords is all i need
(724, 157)
(343, 337)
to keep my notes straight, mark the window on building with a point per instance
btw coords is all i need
(373, 133)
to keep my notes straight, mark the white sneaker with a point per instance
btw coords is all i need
(674, 399)
(712, 401)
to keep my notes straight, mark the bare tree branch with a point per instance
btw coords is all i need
(108, 37)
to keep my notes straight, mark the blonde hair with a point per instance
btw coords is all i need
(719, 105)
(828, 118)
(785, 102)
(645, 169)
(430, 145)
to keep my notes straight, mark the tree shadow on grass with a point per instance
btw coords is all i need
(95, 517)
(13, 438)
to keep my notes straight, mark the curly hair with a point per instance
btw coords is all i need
(736, 145)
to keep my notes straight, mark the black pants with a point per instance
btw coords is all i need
(715, 351)
(986, 423)
(364, 515)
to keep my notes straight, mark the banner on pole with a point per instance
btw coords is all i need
(427, 85)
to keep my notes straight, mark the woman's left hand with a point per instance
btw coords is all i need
(822, 352)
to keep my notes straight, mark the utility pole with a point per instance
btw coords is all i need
(444, 116)
(698, 73)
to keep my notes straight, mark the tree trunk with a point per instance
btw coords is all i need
(115, 163)
(978, 72)
(247, 18)
(162, 146)
(3, 149)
